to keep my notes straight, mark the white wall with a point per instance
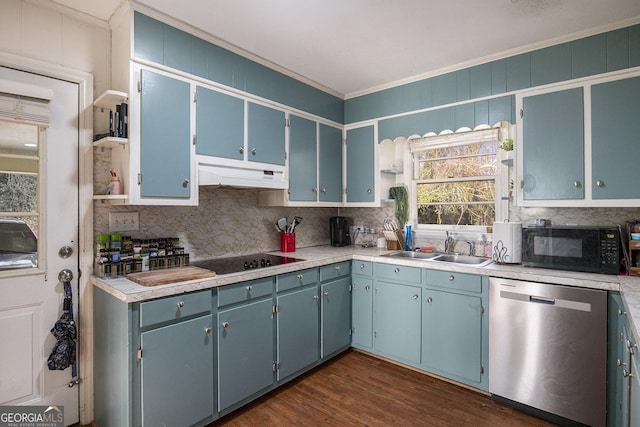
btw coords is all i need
(56, 35)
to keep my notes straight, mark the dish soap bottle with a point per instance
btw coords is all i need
(408, 239)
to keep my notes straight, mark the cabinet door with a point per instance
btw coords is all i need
(614, 138)
(298, 331)
(336, 316)
(634, 384)
(165, 136)
(177, 373)
(245, 351)
(362, 315)
(452, 335)
(396, 321)
(553, 145)
(360, 165)
(303, 154)
(330, 160)
(265, 135)
(219, 124)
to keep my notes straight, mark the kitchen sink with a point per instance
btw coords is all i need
(463, 259)
(412, 255)
(436, 256)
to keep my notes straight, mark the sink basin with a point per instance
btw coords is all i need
(412, 255)
(463, 259)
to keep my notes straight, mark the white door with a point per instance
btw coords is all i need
(31, 298)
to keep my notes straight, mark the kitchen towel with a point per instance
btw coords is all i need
(507, 242)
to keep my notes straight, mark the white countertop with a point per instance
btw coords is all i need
(129, 292)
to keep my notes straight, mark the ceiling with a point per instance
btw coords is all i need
(351, 47)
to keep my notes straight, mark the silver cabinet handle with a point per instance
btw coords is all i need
(451, 278)
(577, 184)
(225, 325)
(180, 304)
(300, 276)
(369, 191)
(185, 183)
(600, 183)
(366, 288)
(621, 313)
(397, 270)
(324, 190)
(621, 363)
(429, 300)
(253, 151)
(316, 297)
(337, 268)
(326, 294)
(314, 189)
(415, 296)
(249, 288)
(207, 331)
(361, 266)
(626, 374)
(241, 150)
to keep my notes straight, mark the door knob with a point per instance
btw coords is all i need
(65, 276)
(65, 252)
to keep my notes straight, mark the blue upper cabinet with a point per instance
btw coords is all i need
(303, 154)
(165, 136)
(360, 165)
(553, 145)
(330, 161)
(219, 124)
(615, 139)
(265, 135)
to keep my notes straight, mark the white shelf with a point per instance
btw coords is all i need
(110, 99)
(391, 171)
(111, 142)
(111, 198)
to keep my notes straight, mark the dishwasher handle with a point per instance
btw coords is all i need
(542, 300)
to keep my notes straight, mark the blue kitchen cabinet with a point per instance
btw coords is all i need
(303, 154)
(330, 164)
(265, 134)
(454, 326)
(245, 330)
(614, 139)
(397, 312)
(634, 380)
(616, 382)
(219, 124)
(335, 309)
(176, 371)
(360, 165)
(298, 330)
(362, 305)
(553, 145)
(165, 136)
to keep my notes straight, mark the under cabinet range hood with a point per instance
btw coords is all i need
(234, 176)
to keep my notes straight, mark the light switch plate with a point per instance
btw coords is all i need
(124, 221)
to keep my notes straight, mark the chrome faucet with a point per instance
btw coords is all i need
(449, 243)
(472, 248)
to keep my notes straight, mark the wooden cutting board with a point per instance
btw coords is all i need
(170, 275)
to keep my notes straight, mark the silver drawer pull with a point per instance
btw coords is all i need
(397, 270)
(207, 331)
(180, 304)
(225, 325)
(429, 300)
(366, 288)
(415, 296)
(621, 363)
(337, 268)
(316, 297)
(451, 278)
(249, 288)
(626, 374)
(300, 276)
(361, 266)
(326, 294)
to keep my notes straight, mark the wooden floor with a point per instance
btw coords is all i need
(355, 389)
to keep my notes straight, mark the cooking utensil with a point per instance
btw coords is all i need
(282, 224)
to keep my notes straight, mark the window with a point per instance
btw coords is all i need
(455, 178)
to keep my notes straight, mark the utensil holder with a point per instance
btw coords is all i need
(287, 242)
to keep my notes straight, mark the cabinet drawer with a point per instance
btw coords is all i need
(174, 308)
(297, 279)
(362, 268)
(333, 271)
(461, 281)
(399, 273)
(244, 291)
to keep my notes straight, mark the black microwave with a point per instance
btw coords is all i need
(588, 249)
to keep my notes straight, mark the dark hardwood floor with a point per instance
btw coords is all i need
(355, 389)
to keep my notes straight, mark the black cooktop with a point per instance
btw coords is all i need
(242, 263)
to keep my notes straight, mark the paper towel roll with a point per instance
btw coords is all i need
(507, 242)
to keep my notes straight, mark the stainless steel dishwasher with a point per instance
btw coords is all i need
(548, 348)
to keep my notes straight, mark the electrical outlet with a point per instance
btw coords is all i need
(124, 221)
